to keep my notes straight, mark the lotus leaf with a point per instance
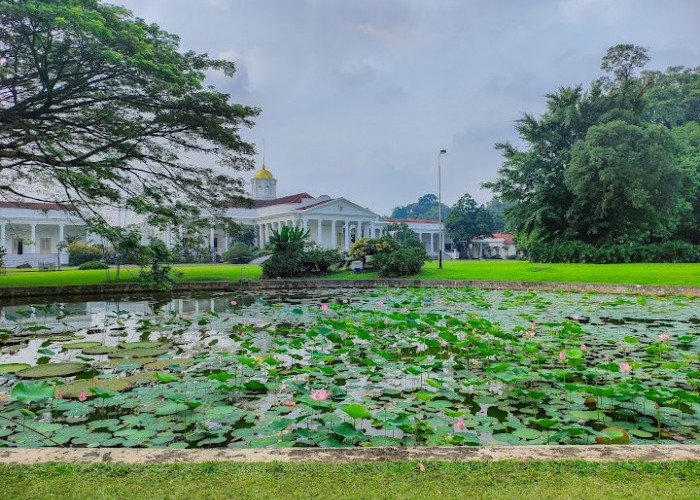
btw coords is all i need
(13, 367)
(52, 370)
(145, 352)
(29, 392)
(81, 345)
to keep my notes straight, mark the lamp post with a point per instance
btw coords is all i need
(440, 241)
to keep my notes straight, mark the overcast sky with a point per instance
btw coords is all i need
(359, 96)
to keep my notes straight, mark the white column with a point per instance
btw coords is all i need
(225, 237)
(32, 247)
(261, 235)
(319, 231)
(334, 236)
(372, 230)
(3, 243)
(61, 235)
(211, 239)
(347, 235)
(305, 224)
(432, 242)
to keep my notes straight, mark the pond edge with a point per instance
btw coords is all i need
(588, 453)
(112, 289)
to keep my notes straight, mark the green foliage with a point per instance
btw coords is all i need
(3, 252)
(92, 264)
(625, 184)
(579, 251)
(401, 233)
(238, 253)
(365, 247)
(80, 253)
(291, 258)
(426, 209)
(466, 221)
(406, 261)
(599, 168)
(114, 104)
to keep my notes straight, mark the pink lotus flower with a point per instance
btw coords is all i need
(575, 317)
(562, 356)
(82, 396)
(59, 394)
(319, 394)
(405, 309)
(583, 347)
(532, 325)
(324, 307)
(245, 322)
(381, 303)
(460, 424)
(94, 379)
(664, 337)
(289, 403)
(345, 301)
(233, 303)
(386, 321)
(530, 333)
(625, 367)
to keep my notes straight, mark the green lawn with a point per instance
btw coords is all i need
(643, 274)
(71, 276)
(496, 480)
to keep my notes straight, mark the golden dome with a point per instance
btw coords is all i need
(263, 173)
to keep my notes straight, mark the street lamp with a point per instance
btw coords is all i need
(441, 242)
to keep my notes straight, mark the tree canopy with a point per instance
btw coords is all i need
(100, 109)
(426, 208)
(617, 163)
(467, 220)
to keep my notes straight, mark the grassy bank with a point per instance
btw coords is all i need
(71, 276)
(643, 274)
(497, 480)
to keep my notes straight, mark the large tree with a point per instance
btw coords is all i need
(467, 220)
(100, 109)
(595, 169)
(425, 208)
(625, 184)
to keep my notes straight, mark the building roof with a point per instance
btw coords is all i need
(412, 221)
(33, 205)
(292, 198)
(321, 202)
(263, 173)
(506, 237)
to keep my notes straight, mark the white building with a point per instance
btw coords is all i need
(331, 222)
(32, 232)
(498, 245)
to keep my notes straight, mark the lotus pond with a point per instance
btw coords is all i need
(384, 367)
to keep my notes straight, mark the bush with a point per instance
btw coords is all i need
(92, 264)
(319, 260)
(239, 253)
(79, 253)
(401, 262)
(578, 251)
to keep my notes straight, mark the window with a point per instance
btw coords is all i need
(44, 245)
(19, 245)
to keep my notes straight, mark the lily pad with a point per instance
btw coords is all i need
(73, 390)
(142, 345)
(53, 370)
(99, 349)
(145, 352)
(13, 367)
(82, 345)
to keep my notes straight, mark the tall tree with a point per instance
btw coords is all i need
(467, 221)
(426, 208)
(99, 109)
(625, 184)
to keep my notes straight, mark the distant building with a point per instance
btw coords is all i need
(498, 245)
(31, 232)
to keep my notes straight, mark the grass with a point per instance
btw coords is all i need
(642, 274)
(494, 480)
(71, 276)
(497, 270)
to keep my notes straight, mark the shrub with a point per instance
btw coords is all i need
(79, 253)
(401, 262)
(92, 264)
(578, 251)
(2, 256)
(239, 253)
(320, 260)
